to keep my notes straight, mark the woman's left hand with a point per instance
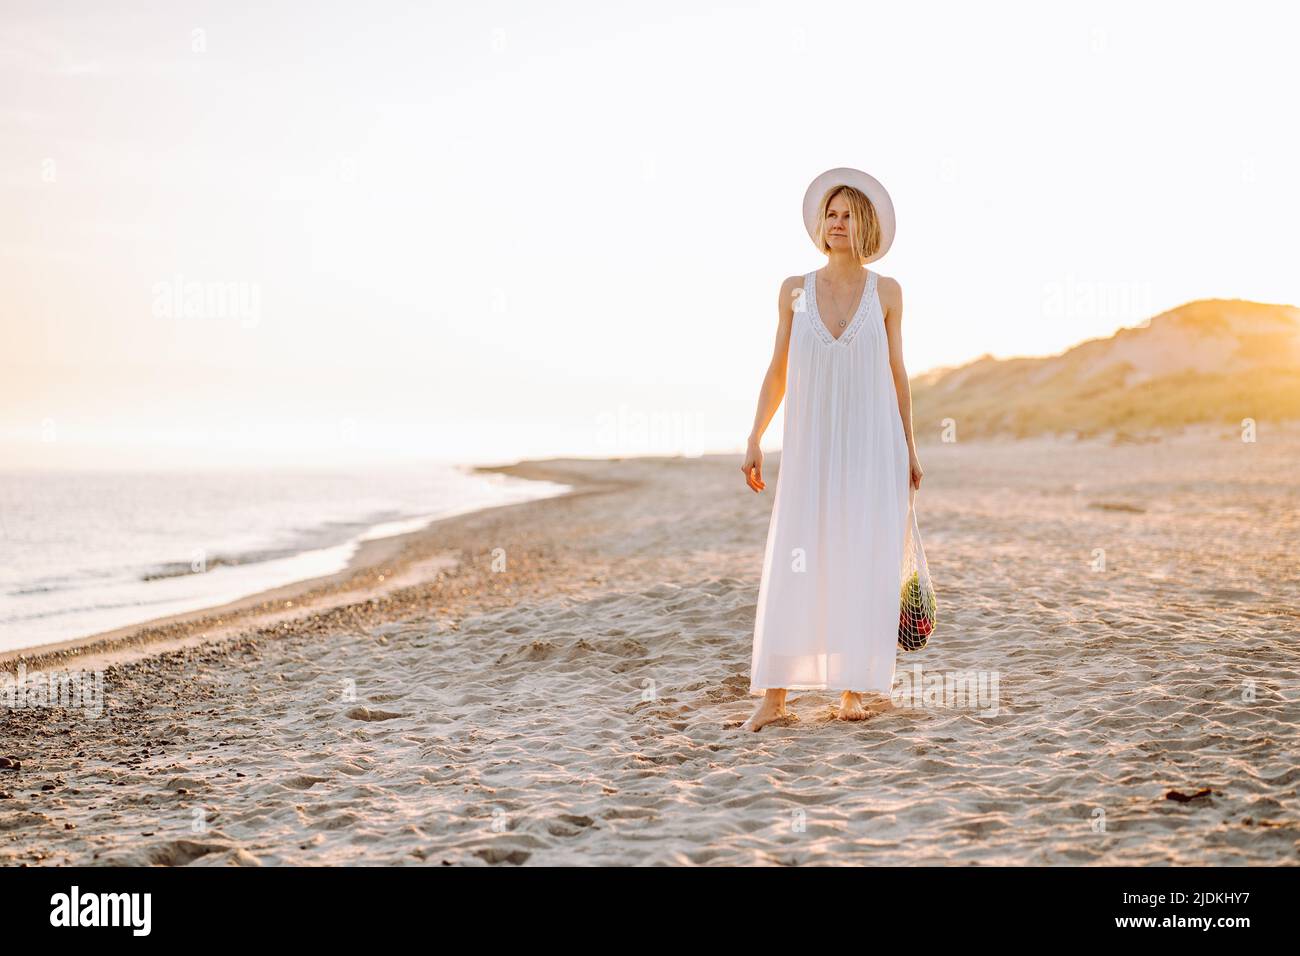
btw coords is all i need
(917, 473)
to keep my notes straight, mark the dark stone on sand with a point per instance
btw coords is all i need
(1187, 797)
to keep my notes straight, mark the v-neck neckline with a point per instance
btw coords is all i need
(816, 312)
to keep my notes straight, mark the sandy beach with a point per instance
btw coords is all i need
(562, 681)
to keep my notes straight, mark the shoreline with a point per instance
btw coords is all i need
(382, 566)
(379, 568)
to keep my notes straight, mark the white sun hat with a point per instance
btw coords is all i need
(868, 185)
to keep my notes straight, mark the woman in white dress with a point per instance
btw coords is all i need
(828, 601)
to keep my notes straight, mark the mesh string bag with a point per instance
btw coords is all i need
(916, 592)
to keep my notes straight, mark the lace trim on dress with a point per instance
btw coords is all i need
(814, 313)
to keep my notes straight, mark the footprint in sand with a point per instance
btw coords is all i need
(365, 713)
(502, 855)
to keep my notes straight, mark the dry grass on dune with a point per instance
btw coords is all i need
(1211, 362)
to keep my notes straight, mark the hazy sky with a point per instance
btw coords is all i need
(254, 232)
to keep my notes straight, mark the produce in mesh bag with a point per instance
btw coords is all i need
(916, 615)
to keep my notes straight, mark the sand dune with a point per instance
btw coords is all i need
(1214, 361)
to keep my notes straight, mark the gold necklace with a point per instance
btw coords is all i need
(844, 320)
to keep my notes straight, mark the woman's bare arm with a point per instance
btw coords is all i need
(891, 298)
(773, 389)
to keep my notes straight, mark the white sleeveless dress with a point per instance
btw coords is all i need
(828, 600)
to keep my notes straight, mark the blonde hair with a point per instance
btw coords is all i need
(864, 224)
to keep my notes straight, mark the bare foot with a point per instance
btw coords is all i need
(770, 708)
(851, 707)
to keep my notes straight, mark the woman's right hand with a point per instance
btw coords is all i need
(753, 467)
